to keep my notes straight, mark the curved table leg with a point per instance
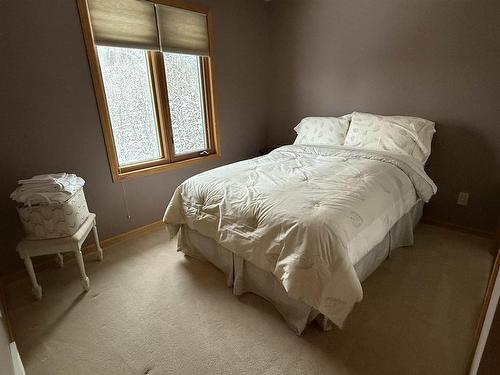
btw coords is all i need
(37, 289)
(96, 239)
(81, 266)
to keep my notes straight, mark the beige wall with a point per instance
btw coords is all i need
(434, 59)
(50, 122)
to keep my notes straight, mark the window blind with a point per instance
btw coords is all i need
(182, 31)
(124, 23)
(145, 25)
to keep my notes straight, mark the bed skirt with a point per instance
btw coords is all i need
(245, 277)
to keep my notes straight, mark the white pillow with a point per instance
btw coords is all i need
(330, 131)
(348, 116)
(399, 134)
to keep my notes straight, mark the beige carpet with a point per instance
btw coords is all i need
(152, 311)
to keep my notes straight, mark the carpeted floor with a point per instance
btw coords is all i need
(152, 311)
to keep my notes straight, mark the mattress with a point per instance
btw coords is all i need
(244, 276)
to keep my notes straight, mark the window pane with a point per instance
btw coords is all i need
(185, 97)
(125, 73)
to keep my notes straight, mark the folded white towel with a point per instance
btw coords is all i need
(43, 178)
(44, 187)
(47, 188)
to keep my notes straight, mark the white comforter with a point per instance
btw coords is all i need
(306, 214)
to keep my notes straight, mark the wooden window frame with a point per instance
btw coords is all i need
(169, 160)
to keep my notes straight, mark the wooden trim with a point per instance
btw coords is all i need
(207, 103)
(168, 161)
(474, 363)
(205, 81)
(135, 167)
(458, 228)
(161, 118)
(161, 93)
(97, 81)
(191, 155)
(164, 167)
(111, 241)
(210, 71)
(183, 5)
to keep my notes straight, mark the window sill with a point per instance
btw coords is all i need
(123, 176)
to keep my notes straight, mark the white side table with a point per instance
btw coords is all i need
(31, 248)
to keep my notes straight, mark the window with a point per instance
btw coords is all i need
(126, 77)
(152, 73)
(185, 99)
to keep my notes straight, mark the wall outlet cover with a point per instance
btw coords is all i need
(463, 198)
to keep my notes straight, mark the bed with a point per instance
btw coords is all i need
(302, 226)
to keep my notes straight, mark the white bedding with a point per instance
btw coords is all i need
(305, 214)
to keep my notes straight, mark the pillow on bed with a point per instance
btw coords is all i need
(348, 116)
(329, 131)
(399, 134)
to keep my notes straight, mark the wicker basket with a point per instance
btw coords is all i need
(54, 220)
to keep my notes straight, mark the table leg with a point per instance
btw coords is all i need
(37, 289)
(81, 266)
(96, 240)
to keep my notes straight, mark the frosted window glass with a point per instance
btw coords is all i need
(127, 84)
(185, 98)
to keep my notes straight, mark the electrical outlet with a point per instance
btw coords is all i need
(463, 198)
